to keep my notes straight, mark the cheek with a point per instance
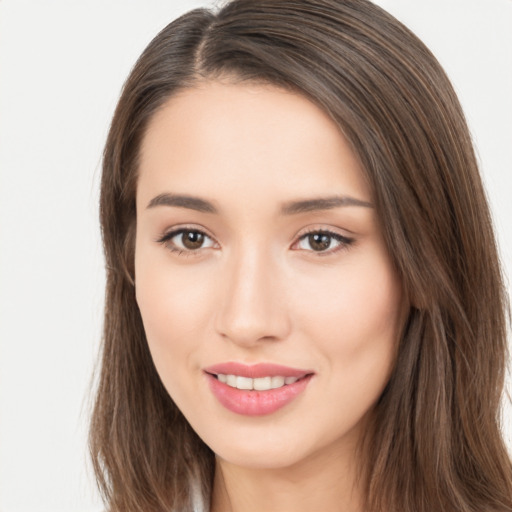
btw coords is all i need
(355, 319)
(175, 310)
(361, 295)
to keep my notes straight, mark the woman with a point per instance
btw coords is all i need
(304, 303)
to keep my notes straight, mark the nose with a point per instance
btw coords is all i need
(253, 306)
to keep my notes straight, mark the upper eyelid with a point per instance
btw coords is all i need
(342, 239)
(327, 230)
(172, 232)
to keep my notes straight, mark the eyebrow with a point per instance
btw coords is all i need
(183, 201)
(321, 203)
(288, 208)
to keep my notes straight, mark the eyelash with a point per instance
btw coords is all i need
(343, 241)
(167, 237)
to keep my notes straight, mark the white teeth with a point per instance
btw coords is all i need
(263, 383)
(244, 383)
(277, 382)
(259, 384)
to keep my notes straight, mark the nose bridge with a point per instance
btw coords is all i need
(252, 304)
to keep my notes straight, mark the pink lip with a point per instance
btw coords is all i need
(256, 370)
(251, 402)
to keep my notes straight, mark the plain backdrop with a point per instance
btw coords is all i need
(62, 64)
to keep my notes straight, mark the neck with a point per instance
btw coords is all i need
(326, 482)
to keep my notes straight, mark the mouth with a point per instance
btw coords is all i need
(255, 390)
(256, 384)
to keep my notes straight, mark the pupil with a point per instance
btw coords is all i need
(192, 239)
(319, 241)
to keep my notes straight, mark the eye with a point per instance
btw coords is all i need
(186, 240)
(323, 242)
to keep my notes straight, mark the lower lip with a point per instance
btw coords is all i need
(256, 403)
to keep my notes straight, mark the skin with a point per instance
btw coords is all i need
(259, 289)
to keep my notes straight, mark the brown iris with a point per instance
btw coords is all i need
(192, 239)
(319, 241)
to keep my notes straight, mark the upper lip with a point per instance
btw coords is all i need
(256, 371)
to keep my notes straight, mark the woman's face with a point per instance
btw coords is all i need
(260, 264)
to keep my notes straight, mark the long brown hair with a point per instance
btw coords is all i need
(435, 443)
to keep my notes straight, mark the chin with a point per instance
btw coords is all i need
(274, 446)
(260, 455)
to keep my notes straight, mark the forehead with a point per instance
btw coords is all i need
(224, 139)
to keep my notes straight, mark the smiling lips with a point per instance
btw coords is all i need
(257, 389)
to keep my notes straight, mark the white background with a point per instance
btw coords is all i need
(62, 64)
